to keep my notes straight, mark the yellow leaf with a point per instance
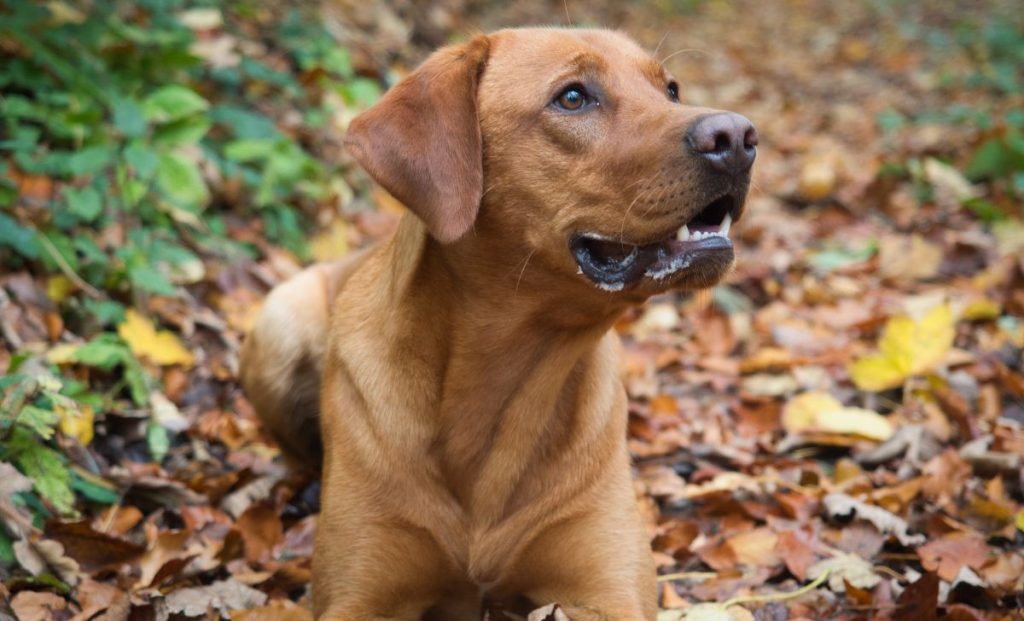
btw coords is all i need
(820, 412)
(1020, 521)
(63, 353)
(159, 347)
(802, 410)
(332, 243)
(58, 288)
(907, 348)
(981, 310)
(76, 422)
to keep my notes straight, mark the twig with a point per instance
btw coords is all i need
(688, 575)
(68, 271)
(778, 597)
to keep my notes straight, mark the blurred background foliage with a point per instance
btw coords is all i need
(153, 151)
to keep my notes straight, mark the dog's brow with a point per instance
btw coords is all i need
(582, 63)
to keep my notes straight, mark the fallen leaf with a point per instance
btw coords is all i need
(92, 549)
(332, 242)
(223, 596)
(919, 601)
(261, 531)
(842, 505)
(36, 556)
(845, 568)
(76, 421)
(822, 413)
(817, 179)
(908, 257)
(907, 348)
(159, 347)
(37, 605)
(947, 555)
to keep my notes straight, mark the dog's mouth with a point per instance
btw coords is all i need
(701, 242)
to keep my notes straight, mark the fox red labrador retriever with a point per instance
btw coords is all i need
(459, 382)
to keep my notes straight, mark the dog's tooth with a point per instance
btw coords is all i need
(683, 234)
(726, 223)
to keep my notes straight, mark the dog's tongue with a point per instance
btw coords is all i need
(611, 250)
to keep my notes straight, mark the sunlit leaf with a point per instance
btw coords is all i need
(907, 348)
(158, 346)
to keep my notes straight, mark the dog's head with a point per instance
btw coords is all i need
(569, 149)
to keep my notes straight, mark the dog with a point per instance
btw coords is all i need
(459, 381)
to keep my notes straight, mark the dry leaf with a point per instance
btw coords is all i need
(223, 596)
(907, 348)
(845, 568)
(37, 605)
(332, 242)
(841, 505)
(91, 549)
(159, 347)
(822, 413)
(947, 555)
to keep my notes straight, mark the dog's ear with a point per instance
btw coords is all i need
(422, 140)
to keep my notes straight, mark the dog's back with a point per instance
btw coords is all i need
(282, 357)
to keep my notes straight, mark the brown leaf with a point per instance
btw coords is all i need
(117, 520)
(37, 606)
(919, 601)
(223, 596)
(168, 546)
(92, 549)
(36, 555)
(797, 552)
(96, 597)
(261, 531)
(947, 555)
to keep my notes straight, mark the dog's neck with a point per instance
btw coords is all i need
(504, 337)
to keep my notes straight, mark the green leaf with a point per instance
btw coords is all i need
(94, 488)
(90, 160)
(148, 278)
(17, 237)
(7, 558)
(171, 103)
(142, 158)
(45, 467)
(85, 203)
(138, 385)
(103, 352)
(182, 132)
(158, 441)
(129, 118)
(992, 159)
(40, 421)
(249, 149)
(106, 312)
(179, 178)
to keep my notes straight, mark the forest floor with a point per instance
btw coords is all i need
(837, 432)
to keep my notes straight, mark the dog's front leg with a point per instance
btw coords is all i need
(367, 566)
(596, 567)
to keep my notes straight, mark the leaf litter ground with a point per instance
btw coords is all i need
(834, 433)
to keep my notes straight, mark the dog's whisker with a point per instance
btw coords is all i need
(565, 5)
(640, 195)
(523, 271)
(683, 51)
(663, 37)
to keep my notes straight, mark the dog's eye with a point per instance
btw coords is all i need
(673, 91)
(573, 98)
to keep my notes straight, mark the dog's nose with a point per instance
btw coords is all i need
(727, 140)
